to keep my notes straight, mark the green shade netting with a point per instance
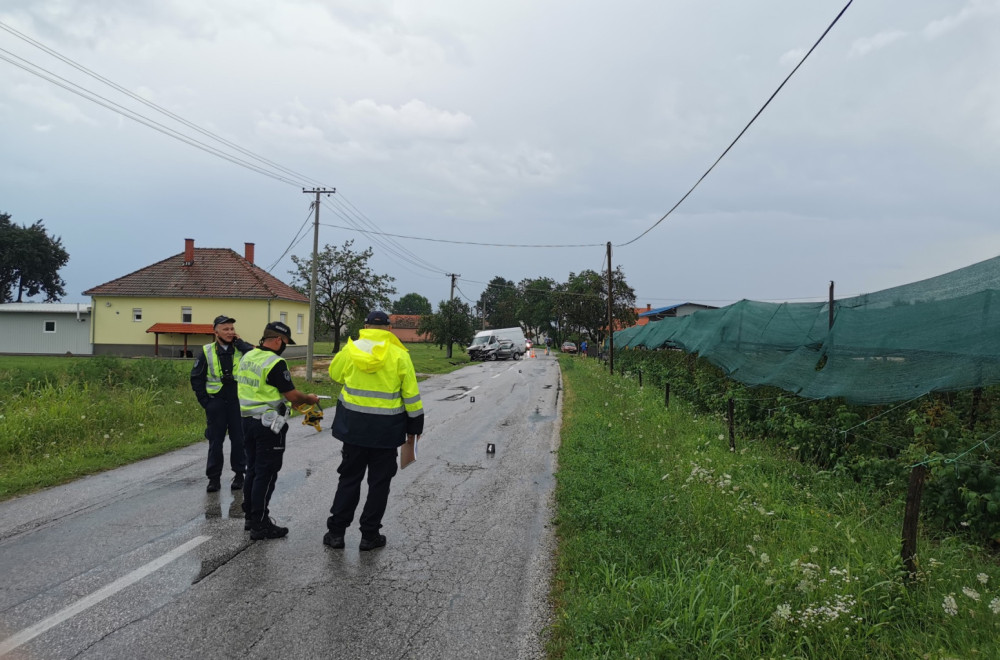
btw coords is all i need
(940, 334)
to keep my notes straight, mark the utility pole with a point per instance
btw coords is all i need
(611, 327)
(831, 305)
(312, 278)
(451, 297)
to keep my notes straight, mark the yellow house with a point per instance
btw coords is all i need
(167, 308)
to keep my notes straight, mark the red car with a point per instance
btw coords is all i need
(568, 347)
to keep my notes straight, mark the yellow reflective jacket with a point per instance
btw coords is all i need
(379, 403)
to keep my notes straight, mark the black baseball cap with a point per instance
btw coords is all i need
(222, 318)
(377, 318)
(278, 329)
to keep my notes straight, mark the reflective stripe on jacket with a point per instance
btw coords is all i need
(380, 401)
(213, 367)
(256, 395)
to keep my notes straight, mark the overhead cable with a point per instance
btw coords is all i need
(745, 128)
(443, 240)
(93, 74)
(70, 86)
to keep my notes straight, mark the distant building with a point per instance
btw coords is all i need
(680, 309)
(167, 308)
(45, 328)
(404, 326)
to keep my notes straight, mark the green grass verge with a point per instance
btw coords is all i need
(671, 546)
(427, 358)
(65, 417)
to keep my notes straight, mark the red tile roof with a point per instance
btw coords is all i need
(214, 273)
(182, 328)
(405, 321)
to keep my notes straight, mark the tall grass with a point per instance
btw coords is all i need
(65, 417)
(671, 546)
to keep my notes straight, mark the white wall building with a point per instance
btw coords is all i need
(45, 328)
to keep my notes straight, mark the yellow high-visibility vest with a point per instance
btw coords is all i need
(257, 396)
(213, 367)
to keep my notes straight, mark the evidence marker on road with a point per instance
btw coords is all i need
(491, 448)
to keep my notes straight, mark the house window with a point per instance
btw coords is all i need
(136, 314)
(185, 314)
(283, 317)
(299, 322)
(50, 326)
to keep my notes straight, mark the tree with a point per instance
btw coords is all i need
(30, 260)
(346, 288)
(412, 303)
(499, 301)
(535, 305)
(581, 303)
(452, 323)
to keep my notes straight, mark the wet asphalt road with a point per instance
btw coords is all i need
(141, 562)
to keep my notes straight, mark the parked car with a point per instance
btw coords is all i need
(507, 350)
(568, 347)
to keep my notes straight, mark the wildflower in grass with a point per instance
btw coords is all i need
(764, 558)
(106, 436)
(971, 593)
(782, 614)
(813, 550)
(722, 437)
(752, 551)
(964, 523)
(995, 605)
(983, 578)
(949, 605)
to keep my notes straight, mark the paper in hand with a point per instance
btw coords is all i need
(407, 453)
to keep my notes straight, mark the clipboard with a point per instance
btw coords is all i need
(408, 453)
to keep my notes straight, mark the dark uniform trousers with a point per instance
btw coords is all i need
(265, 453)
(222, 416)
(381, 467)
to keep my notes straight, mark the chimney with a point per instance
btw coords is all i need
(248, 252)
(648, 307)
(188, 251)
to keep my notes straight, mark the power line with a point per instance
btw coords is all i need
(93, 97)
(93, 74)
(745, 128)
(443, 240)
(295, 241)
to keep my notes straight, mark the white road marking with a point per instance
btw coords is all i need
(86, 602)
(469, 391)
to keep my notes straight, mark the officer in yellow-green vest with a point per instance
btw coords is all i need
(215, 387)
(379, 409)
(265, 385)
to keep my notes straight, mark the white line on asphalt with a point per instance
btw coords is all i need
(28, 634)
(476, 387)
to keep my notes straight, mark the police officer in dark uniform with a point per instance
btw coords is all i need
(214, 384)
(265, 385)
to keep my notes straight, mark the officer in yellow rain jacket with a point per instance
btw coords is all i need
(378, 410)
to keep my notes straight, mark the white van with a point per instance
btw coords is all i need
(484, 345)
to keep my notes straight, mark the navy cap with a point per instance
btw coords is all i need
(278, 329)
(222, 318)
(377, 318)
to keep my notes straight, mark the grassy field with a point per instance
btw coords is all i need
(65, 417)
(427, 358)
(671, 546)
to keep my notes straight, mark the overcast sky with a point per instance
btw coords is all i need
(519, 122)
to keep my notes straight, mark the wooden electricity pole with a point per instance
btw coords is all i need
(312, 278)
(611, 327)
